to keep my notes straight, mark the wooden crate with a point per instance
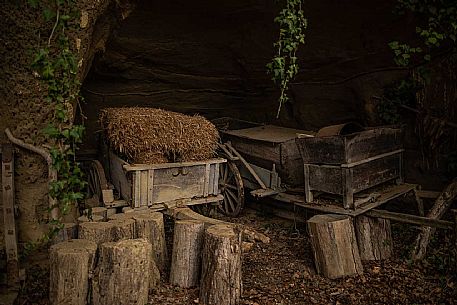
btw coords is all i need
(346, 165)
(268, 145)
(149, 184)
(350, 148)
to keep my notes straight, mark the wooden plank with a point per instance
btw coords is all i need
(119, 178)
(144, 188)
(350, 148)
(248, 166)
(428, 194)
(216, 179)
(348, 189)
(136, 189)
(179, 183)
(268, 133)
(8, 214)
(178, 203)
(135, 167)
(150, 186)
(206, 181)
(354, 164)
(386, 196)
(411, 219)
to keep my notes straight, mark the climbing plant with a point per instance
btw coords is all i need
(56, 65)
(437, 28)
(284, 65)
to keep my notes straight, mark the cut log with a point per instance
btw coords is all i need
(221, 266)
(374, 238)
(186, 257)
(187, 214)
(92, 218)
(150, 226)
(98, 232)
(122, 274)
(98, 211)
(123, 229)
(69, 232)
(334, 245)
(442, 204)
(71, 263)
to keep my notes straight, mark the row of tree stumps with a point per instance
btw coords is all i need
(340, 243)
(119, 260)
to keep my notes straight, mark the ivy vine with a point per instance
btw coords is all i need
(284, 65)
(56, 66)
(437, 28)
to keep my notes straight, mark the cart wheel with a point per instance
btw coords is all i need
(231, 186)
(96, 179)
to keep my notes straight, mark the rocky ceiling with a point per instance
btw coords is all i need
(209, 57)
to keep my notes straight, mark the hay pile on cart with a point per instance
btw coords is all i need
(149, 135)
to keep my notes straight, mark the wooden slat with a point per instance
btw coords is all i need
(206, 181)
(428, 194)
(136, 189)
(398, 151)
(136, 167)
(411, 219)
(390, 194)
(150, 186)
(8, 214)
(216, 179)
(144, 188)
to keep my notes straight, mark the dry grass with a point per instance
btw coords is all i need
(149, 135)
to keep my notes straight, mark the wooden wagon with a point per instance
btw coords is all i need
(154, 185)
(294, 166)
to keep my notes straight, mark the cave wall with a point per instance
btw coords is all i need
(191, 56)
(209, 57)
(23, 109)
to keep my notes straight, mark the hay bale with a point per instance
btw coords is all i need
(149, 135)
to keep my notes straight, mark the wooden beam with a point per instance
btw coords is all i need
(428, 194)
(8, 214)
(411, 219)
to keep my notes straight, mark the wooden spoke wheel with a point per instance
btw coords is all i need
(231, 186)
(96, 179)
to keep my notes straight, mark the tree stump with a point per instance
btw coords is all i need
(221, 266)
(71, 263)
(69, 232)
(149, 225)
(122, 275)
(98, 232)
(374, 237)
(99, 211)
(93, 218)
(123, 229)
(186, 257)
(334, 245)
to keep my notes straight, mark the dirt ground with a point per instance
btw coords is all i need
(282, 272)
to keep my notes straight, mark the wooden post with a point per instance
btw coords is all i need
(221, 266)
(122, 275)
(123, 229)
(98, 232)
(454, 211)
(150, 225)
(71, 263)
(374, 238)
(12, 267)
(69, 231)
(186, 257)
(334, 245)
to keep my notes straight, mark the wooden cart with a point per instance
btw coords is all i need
(154, 185)
(269, 163)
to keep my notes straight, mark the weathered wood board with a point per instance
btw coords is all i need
(149, 184)
(267, 145)
(349, 148)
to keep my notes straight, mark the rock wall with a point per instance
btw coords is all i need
(209, 57)
(22, 107)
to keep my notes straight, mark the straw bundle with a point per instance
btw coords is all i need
(149, 135)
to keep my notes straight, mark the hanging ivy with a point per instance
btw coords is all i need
(284, 65)
(56, 66)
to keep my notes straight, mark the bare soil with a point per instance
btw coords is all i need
(282, 272)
